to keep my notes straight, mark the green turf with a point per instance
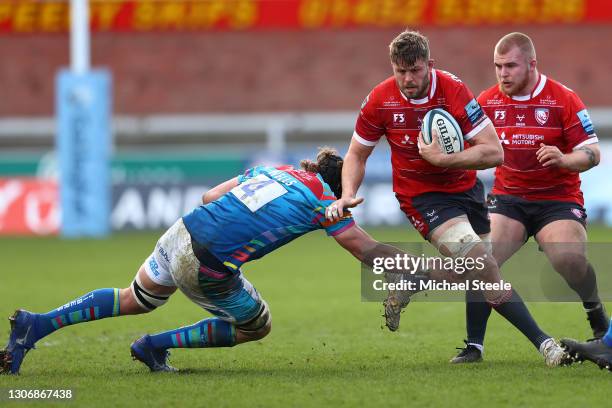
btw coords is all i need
(326, 348)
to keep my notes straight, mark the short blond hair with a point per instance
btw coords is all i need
(516, 39)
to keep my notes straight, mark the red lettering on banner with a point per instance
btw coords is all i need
(30, 16)
(29, 207)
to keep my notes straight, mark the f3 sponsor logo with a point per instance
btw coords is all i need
(500, 115)
(399, 119)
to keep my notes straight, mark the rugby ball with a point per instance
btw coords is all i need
(450, 136)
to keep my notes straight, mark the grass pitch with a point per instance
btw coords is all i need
(327, 348)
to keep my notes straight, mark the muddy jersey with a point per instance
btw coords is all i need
(553, 115)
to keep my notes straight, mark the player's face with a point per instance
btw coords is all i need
(514, 72)
(413, 81)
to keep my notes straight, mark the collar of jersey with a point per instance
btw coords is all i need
(536, 91)
(432, 91)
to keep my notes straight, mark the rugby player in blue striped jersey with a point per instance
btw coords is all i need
(240, 220)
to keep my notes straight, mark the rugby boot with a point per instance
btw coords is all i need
(596, 351)
(468, 354)
(154, 358)
(554, 354)
(21, 340)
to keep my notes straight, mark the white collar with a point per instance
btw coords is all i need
(536, 91)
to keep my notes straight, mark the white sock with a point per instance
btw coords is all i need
(478, 346)
(545, 343)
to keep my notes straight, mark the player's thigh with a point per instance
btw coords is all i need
(226, 294)
(562, 231)
(457, 239)
(430, 211)
(507, 236)
(564, 243)
(147, 283)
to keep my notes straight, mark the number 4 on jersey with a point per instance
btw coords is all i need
(258, 191)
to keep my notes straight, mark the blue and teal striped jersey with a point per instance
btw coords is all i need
(270, 207)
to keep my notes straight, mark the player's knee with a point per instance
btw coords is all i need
(128, 304)
(145, 299)
(573, 266)
(259, 327)
(485, 268)
(458, 240)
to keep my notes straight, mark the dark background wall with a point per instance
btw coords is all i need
(282, 70)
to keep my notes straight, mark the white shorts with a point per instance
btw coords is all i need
(231, 297)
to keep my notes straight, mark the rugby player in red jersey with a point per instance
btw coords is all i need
(548, 139)
(439, 193)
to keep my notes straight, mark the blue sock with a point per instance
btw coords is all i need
(206, 333)
(607, 339)
(95, 305)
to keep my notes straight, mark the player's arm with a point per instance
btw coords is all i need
(353, 170)
(581, 159)
(363, 247)
(485, 151)
(216, 192)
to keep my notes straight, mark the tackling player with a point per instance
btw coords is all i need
(548, 139)
(439, 193)
(202, 253)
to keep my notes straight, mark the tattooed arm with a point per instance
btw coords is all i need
(579, 160)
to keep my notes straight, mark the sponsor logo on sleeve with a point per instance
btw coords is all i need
(541, 115)
(585, 119)
(474, 111)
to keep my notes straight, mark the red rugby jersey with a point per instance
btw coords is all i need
(552, 114)
(387, 112)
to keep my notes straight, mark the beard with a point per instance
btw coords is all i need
(416, 93)
(517, 88)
